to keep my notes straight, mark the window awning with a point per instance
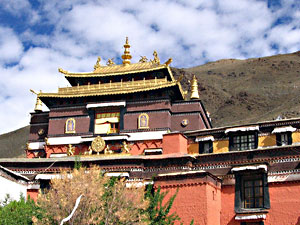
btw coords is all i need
(107, 120)
(248, 128)
(252, 216)
(106, 104)
(205, 138)
(283, 129)
(250, 167)
(153, 151)
(117, 174)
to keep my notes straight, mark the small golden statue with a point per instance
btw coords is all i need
(107, 150)
(156, 59)
(89, 151)
(97, 65)
(143, 59)
(125, 148)
(70, 150)
(110, 62)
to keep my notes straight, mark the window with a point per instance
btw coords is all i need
(205, 147)
(243, 141)
(251, 191)
(107, 122)
(284, 139)
(253, 195)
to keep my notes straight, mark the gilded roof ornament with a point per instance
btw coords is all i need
(97, 65)
(156, 59)
(194, 88)
(110, 62)
(126, 56)
(62, 71)
(169, 61)
(38, 105)
(143, 59)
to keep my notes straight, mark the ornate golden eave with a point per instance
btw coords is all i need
(112, 88)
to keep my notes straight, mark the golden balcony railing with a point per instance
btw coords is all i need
(111, 86)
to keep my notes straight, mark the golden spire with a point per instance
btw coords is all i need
(194, 88)
(126, 56)
(38, 105)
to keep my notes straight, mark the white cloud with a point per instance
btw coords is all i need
(192, 32)
(10, 46)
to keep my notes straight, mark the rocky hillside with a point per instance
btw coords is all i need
(13, 143)
(233, 91)
(251, 90)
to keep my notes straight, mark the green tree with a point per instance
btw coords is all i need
(18, 212)
(159, 213)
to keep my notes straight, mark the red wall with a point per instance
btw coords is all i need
(174, 143)
(227, 206)
(284, 202)
(33, 193)
(198, 198)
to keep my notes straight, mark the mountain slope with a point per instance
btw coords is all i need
(13, 143)
(251, 90)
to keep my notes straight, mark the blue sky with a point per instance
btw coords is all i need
(37, 37)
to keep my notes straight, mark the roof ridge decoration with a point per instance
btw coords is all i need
(126, 57)
(126, 67)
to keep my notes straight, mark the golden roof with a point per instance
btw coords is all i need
(125, 68)
(113, 88)
(114, 70)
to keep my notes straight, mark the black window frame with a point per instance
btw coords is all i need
(232, 144)
(252, 223)
(240, 177)
(279, 138)
(202, 144)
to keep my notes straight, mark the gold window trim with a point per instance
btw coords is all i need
(141, 124)
(70, 131)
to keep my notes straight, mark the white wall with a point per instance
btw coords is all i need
(12, 188)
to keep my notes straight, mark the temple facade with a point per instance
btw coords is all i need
(115, 109)
(134, 120)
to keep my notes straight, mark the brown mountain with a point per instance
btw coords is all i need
(233, 91)
(13, 143)
(251, 90)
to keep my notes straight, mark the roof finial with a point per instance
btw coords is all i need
(194, 88)
(126, 56)
(38, 105)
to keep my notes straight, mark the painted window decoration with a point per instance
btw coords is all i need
(143, 121)
(70, 125)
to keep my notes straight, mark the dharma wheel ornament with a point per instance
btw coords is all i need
(98, 144)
